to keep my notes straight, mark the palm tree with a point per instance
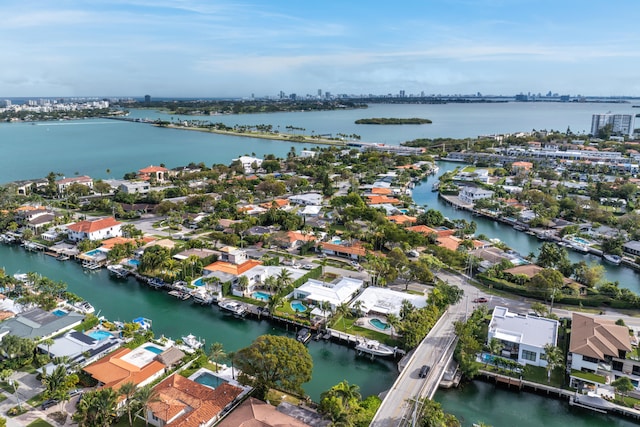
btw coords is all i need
(344, 311)
(128, 390)
(48, 342)
(144, 397)
(216, 352)
(284, 278)
(243, 283)
(495, 347)
(394, 322)
(554, 357)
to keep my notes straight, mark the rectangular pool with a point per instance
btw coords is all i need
(100, 335)
(59, 313)
(209, 380)
(262, 296)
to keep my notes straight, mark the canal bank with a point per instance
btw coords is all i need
(500, 407)
(524, 243)
(125, 300)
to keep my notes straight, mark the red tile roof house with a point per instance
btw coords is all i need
(117, 368)
(98, 229)
(158, 173)
(185, 403)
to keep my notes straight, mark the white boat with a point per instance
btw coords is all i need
(84, 307)
(192, 341)
(303, 336)
(234, 307)
(613, 259)
(374, 348)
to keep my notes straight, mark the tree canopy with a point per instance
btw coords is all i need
(274, 362)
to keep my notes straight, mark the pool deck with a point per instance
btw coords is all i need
(363, 322)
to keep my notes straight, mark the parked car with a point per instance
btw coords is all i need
(355, 264)
(424, 371)
(75, 392)
(48, 404)
(308, 267)
(480, 300)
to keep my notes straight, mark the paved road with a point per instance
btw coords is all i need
(435, 350)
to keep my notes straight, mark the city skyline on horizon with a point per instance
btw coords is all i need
(200, 49)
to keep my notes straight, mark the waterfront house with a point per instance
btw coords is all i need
(521, 168)
(384, 301)
(97, 229)
(39, 324)
(599, 346)
(181, 402)
(335, 293)
(632, 247)
(256, 413)
(79, 348)
(472, 194)
(157, 173)
(523, 337)
(64, 183)
(138, 366)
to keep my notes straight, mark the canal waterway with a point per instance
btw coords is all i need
(125, 300)
(108, 149)
(495, 406)
(517, 240)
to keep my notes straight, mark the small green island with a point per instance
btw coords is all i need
(393, 121)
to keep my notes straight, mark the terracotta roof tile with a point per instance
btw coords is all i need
(92, 226)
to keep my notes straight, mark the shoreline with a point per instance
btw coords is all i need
(302, 139)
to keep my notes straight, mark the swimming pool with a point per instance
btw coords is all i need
(209, 380)
(486, 358)
(99, 335)
(133, 262)
(580, 240)
(262, 296)
(59, 313)
(336, 240)
(199, 282)
(298, 307)
(379, 324)
(94, 252)
(153, 349)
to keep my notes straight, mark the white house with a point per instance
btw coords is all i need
(472, 194)
(135, 187)
(249, 162)
(523, 337)
(384, 301)
(316, 291)
(65, 183)
(306, 199)
(98, 229)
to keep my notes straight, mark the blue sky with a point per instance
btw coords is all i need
(211, 48)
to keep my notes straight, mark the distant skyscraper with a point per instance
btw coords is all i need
(402, 94)
(319, 93)
(621, 124)
(147, 99)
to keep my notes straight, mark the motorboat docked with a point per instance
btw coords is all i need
(613, 259)
(192, 341)
(234, 307)
(374, 348)
(118, 271)
(156, 283)
(303, 336)
(180, 295)
(145, 324)
(84, 307)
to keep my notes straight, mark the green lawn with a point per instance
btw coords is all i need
(37, 399)
(588, 376)
(40, 423)
(123, 421)
(538, 374)
(351, 328)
